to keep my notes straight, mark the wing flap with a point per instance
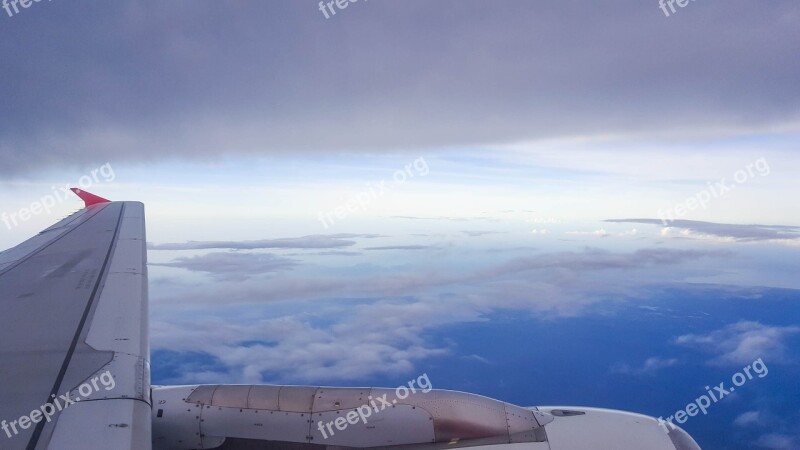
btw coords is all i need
(106, 423)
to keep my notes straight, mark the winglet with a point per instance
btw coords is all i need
(89, 198)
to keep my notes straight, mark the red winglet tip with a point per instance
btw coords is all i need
(89, 198)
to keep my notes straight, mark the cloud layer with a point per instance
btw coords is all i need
(210, 79)
(305, 242)
(368, 319)
(232, 266)
(743, 233)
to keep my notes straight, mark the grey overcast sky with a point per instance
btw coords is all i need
(154, 80)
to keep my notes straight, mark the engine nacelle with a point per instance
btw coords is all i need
(242, 416)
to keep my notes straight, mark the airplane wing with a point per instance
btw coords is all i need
(74, 333)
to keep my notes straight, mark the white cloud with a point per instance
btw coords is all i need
(478, 358)
(743, 342)
(382, 338)
(748, 418)
(650, 366)
(600, 233)
(776, 441)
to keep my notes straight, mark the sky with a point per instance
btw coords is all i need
(488, 192)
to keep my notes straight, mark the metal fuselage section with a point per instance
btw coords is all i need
(241, 416)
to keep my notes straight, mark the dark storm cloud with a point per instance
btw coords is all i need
(314, 241)
(726, 230)
(107, 81)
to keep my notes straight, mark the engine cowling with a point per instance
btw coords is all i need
(245, 416)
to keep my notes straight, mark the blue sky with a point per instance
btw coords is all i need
(470, 190)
